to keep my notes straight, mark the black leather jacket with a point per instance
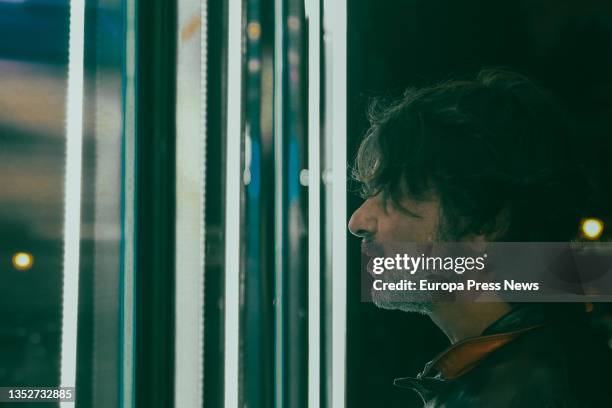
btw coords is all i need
(526, 359)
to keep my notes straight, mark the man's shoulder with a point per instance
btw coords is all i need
(512, 384)
(550, 367)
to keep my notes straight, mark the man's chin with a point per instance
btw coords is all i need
(411, 307)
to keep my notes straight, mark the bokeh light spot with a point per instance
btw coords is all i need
(22, 261)
(592, 228)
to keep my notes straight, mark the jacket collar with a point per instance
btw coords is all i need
(463, 356)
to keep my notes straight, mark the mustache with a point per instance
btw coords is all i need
(373, 248)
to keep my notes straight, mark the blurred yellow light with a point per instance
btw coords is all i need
(592, 228)
(254, 30)
(22, 261)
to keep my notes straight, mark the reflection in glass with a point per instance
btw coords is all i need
(32, 157)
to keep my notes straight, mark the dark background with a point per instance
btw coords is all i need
(565, 45)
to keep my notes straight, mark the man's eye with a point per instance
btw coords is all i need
(387, 200)
(406, 211)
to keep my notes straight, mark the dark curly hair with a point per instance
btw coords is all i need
(496, 151)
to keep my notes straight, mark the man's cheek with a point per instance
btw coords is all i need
(405, 231)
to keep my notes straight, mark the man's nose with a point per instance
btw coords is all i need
(363, 223)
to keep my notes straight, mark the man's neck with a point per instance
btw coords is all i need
(462, 320)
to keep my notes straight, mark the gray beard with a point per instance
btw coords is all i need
(424, 308)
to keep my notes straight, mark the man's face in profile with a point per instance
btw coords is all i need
(466, 162)
(381, 222)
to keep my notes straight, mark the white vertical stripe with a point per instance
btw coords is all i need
(232, 202)
(279, 218)
(336, 37)
(72, 198)
(190, 139)
(203, 137)
(129, 210)
(313, 14)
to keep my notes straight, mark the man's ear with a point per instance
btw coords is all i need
(499, 227)
(476, 242)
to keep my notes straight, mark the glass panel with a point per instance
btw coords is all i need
(257, 380)
(104, 351)
(62, 83)
(215, 201)
(292, 216)
(283, 231)
(33, 86)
